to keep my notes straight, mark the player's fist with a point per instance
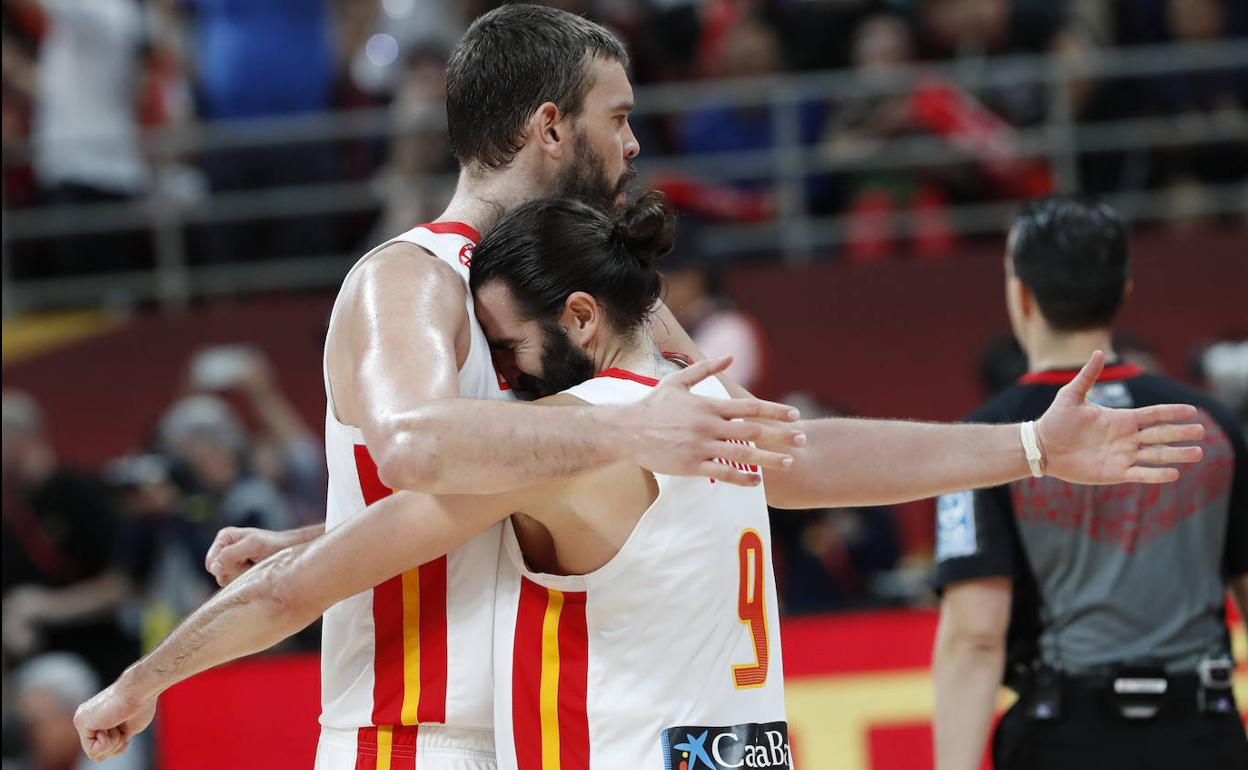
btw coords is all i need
(236, 549)
(106, 723)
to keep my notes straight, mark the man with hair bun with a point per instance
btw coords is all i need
(538, 104)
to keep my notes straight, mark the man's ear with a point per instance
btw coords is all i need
(548, 132)
(1128, 289)
(1026, 301)
(582, 317)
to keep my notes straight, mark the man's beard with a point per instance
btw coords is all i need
(564, 366)
(585, 179)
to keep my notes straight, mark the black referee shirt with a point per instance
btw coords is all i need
(1105, 574)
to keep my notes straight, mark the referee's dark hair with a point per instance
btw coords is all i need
(1071, 253)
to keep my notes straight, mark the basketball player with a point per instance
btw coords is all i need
(622, 593)
(537, 103)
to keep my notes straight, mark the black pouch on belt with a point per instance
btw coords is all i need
(1138, 690)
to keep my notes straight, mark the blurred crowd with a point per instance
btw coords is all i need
(83, 79)
(99, 566)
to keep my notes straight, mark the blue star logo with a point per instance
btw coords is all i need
(697, 750)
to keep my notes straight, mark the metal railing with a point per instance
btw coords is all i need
(788, 164)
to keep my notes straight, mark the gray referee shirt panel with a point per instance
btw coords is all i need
(1123, 572)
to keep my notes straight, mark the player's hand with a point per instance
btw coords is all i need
(674, 432)
(237, 549)
(1088, 444)
(107, 722)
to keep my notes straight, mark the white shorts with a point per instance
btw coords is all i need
(426, 747)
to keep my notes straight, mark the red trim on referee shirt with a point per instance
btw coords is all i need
(453, 228)
(1062, 377)
(387, 614)
(573, 683)
(624, 374)
(526, 676)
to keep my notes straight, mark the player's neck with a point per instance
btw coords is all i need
(482, 198)
(1066, 350)
(640, 357)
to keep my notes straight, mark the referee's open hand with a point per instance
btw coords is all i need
(1084, 443)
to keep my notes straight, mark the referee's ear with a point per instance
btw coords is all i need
(1020, 297)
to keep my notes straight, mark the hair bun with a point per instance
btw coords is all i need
(647, 227)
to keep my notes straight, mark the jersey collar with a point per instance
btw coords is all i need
(1114, 373)
(454, 228)
(624, 374)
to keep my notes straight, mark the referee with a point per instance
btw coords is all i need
(1102, 606)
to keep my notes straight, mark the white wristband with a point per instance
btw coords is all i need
(1031, 447)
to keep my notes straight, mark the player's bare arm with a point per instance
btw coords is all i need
(284, 594)
(880, 462)
(848, 462)
(396, 381)
(966, 669)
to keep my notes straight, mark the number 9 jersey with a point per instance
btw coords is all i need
(666, 657)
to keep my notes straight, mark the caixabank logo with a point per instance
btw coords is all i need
(726, 748)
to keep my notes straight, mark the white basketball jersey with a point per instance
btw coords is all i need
(666, 657)
(415, 649)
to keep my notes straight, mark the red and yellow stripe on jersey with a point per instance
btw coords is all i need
(386, 748)
(409, 616)
(550, 672)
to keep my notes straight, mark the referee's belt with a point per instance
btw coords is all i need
(1138, 693)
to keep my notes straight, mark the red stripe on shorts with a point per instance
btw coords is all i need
(403, 748)
(366, 748)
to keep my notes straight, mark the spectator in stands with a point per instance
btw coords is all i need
(669, 39)
(49, 689)
(166, 537)
(695, 293)
(264, 59)
(1222, 368)
(419, 148)
(1210, 100)
(285, 452)
(751, 50)
(861, 128)
(85, 131)
(58, 535)
(820, 35)
(1001, 363)
(18, 78)
(836, 558)
(1095, 101)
